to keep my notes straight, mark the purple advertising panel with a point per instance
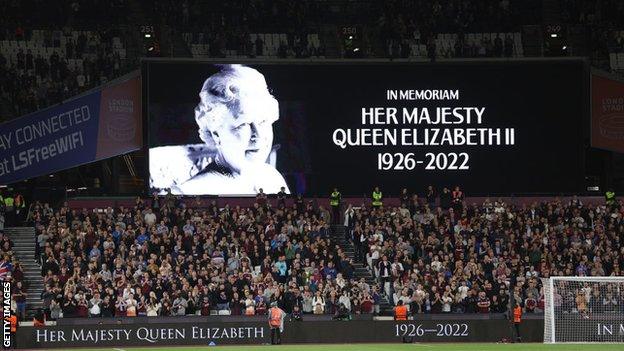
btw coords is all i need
(104, 123)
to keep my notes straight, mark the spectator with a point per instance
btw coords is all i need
(318, 303)
(342, 313)
(483, 303)
(420, 257)
(69, 306)
(150, 218)
(94, 305)
(19, 296)
(447, 301)
(180, 305)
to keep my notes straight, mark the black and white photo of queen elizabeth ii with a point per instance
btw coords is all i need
(235, 119)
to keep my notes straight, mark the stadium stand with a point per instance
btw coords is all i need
(198, 260)
(171, 256)
(175, 256)
(257, 45)
(276, 29)
(52, 66)
(602, 28)
(442, 259)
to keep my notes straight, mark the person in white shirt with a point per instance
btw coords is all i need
(463, 290)
(250, 305)
(318, 303)
(128, 292)
(340, 281)
(348, 216)
(94, 305)
(447, 300)
(152, 308)
(150, 218)
(179, 305)
(345, 300)
(436, 265)
(401, 295)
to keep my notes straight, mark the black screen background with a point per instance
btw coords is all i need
(542, 100)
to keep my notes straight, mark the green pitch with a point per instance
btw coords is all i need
(386, 347)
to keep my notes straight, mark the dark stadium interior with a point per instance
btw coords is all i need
(107, 223)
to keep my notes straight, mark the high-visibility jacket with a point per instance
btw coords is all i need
(400, 313)
(334, 199)
(9, 201)
(610, 197)
(517, 314)
(275, 317)
(13, 321)
(377, 196)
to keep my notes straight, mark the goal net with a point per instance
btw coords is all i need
(583, 309)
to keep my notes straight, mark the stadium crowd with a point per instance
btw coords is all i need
(466, 258)
(170, 259)
(436, 254)
(42, 75)
(173, 256)
(35, 81)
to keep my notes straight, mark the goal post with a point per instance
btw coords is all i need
(583, 309)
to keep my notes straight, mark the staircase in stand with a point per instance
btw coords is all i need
(329, 38)
(338, 233)
(23, 239)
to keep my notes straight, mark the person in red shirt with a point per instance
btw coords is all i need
(540, 303)
(205, 307)
(120, 307)
(82, 309)
(367, 304)
(483, 303)
(261, 307)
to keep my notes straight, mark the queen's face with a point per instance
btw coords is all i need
(237, 112)
(245, 137)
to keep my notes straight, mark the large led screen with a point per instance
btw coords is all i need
(489, 127)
